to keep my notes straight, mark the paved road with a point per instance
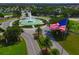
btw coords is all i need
(4, 25)
(32, 45)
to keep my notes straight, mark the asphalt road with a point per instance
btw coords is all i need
(4, 25)
(32, 45)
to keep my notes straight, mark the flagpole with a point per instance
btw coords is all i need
(62, 51)
(62, 46)
(64, 37)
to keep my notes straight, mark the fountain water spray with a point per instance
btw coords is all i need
(29, 15)
(29, 21)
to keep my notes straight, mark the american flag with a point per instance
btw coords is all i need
(54, 26)
(61, 25)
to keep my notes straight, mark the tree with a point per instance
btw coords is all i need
(2, 30)
(47, 43)
(16, 23)
(38, 31)
(34, 10)
(1, 15)
(17, 14)
(1, 34)
(57, 18)
(12, 34)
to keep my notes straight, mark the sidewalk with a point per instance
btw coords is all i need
(57, 45)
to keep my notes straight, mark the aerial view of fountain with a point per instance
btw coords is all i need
(30, 20)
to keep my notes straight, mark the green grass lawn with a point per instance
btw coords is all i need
(16, 49)
(71, 44)
(4, 20)
(74, 26)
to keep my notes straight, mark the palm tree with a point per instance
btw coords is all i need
(12, 34)
(2, 30)
(47, 43)
(17, 14)
(1, 15)
(0, 37)
(38, 31)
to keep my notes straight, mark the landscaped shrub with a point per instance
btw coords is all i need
(55, 52)
(16, 23)
(2, 30)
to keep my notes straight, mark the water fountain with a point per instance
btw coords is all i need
(29, 15)
(30, 20)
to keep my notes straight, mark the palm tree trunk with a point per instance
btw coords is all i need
(6, 41)
(46, 50)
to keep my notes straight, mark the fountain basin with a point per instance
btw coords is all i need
(32, 22)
